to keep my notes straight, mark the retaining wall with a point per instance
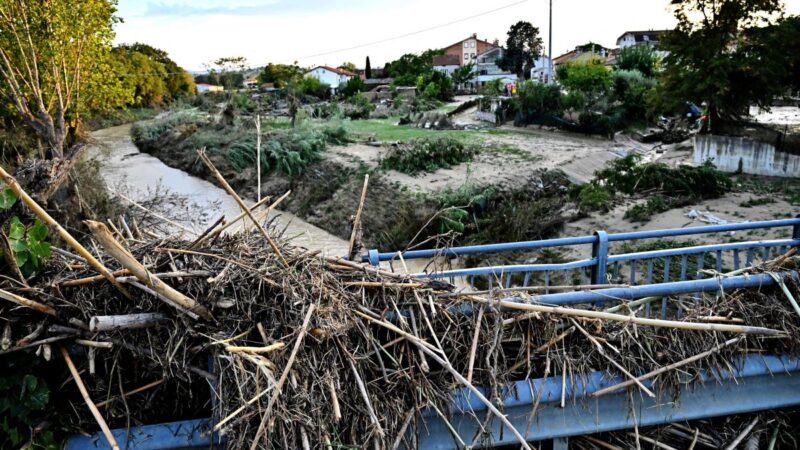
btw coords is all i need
(741, 154)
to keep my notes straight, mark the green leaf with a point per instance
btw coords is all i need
(38, 231)
(40, 249)
(16, 230)
(7, 199)
(18, 245)
(21, 258)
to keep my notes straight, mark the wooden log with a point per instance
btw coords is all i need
(116, 250)
(95, 412)
(14, 298)
(42, 214)
(125, 322)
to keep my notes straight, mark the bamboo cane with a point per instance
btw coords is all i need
(244, 207)
(560, 310)
(267, 349)
(667, 368)
(115, 249)
(14, 298)
(95, 412)
(357, 220)
(42, 214)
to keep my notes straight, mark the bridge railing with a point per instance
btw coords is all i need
(678, 261)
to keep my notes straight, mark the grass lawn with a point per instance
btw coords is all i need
(388, 130)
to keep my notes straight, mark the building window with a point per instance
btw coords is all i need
(466, 44)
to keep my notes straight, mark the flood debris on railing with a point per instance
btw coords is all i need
(306, 351)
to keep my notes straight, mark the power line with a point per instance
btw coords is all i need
(424, 30)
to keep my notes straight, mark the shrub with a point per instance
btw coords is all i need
(352, 87)
(592, 197)
(315, 88)
(286, 150)
(640, 58)
(435, 85)
(427, 155)
(357, 107)
(628, 176)
(632, 89)
(150, 131)
(538, 103)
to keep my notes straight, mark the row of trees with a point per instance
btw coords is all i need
(57, 65)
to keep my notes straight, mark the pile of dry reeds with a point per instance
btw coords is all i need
(306, 351)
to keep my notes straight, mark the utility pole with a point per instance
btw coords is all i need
(550, 47)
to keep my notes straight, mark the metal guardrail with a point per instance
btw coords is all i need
(681, 263)
(755, 383)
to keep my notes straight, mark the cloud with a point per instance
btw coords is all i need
(250, 8)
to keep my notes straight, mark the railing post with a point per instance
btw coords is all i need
(374, 258)
(796, 229)
(600, 255)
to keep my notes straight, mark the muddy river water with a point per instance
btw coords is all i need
(135, 174)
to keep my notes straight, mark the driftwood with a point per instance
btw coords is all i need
(115, 249)
(14, 298)
(355, 235)
(123, 322)
(46, 218)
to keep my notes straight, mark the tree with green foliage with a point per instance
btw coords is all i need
(408, 68)
(349, 66)
(352, 87)
(589, 76)
(523, 46)
(51, 52)
(315, 88)
(178, 81)
(537, 103)
(588, 82)
(368, 69)
(643, 58)
(631, 90)
(435, 85)
(463, 74)
(230, 71)
(144, 76)
(280, 74)
(716, 59)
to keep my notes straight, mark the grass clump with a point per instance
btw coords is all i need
(643, 212)
(757, 202)
(428, 155)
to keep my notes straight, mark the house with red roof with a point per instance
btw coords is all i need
(332, 76)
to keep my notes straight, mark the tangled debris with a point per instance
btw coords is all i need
(307, 351)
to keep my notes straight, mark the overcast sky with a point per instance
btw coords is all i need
(316, 32)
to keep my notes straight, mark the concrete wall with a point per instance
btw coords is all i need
(733, 154)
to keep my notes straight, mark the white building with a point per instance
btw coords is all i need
(446, 63)
(631, 38)
(541, 70)
(331, 76)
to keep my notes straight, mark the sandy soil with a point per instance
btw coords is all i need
(727, 208)
(523, 151)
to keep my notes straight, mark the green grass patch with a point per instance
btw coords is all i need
(388, 130)
(757, 202)
(643, 212)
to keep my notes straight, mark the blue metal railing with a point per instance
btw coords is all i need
(689, 261)
(757, 382)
